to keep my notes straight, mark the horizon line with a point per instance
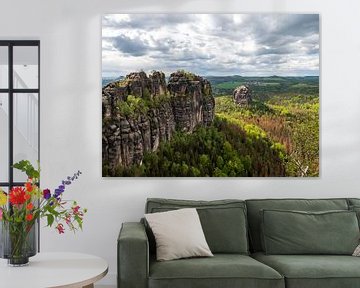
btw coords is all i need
(228, 75)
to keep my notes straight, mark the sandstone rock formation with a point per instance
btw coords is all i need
(183, 104)
(158, 83)
(242, 95)
(193, 103)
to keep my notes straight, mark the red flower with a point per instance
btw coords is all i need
(29, 217)
(17, 196)
(29, 206)
(29, 186)
(75, 209)
(27, 196)
(60, 228)
(68, 219)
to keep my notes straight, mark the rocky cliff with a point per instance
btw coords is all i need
(242, 95)
(141, 111)
(192, 100)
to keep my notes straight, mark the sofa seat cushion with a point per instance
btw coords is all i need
(313, 271)
(222, 270)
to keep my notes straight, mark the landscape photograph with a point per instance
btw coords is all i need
(210, 95)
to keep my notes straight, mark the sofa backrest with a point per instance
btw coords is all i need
(256, 205)
(354, 205)
(353, 202)
(223, 221)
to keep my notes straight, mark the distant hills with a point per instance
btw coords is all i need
(107, 80)
(263, 87)
(237, 78)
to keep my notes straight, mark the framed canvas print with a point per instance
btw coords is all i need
(210, 95)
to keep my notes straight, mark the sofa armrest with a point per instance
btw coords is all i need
(133, 256)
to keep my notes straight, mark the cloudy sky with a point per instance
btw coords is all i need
(211, 44)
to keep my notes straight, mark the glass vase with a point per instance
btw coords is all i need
(18, 242)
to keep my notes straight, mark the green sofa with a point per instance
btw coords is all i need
(233, 230)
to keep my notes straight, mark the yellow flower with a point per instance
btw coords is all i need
(3, 198)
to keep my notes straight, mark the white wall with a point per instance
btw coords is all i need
(70, 34)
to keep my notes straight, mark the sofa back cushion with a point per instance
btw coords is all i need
(255, 206)
(298, 232)
(353, 201)
(223, 221)
(354, 205)
(356, 209)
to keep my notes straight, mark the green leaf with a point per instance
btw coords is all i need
(50, 219)
(26, 167)
(53, 211)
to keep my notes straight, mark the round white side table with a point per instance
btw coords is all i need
(50, 270)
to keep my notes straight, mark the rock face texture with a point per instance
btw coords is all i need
(140, 112)
(158, 83)
(242, 95)
(193, 103)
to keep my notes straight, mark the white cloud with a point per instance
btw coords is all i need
(211, 44)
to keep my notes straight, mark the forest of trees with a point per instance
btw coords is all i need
(224, 149)
(288, 121)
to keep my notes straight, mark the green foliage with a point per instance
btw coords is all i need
(290, 122)
(159, 101)
(229, 85)
(146, 94)
(306, 145)
(26, 167)
(105, 169)
(132, 106)
(125, 109)
(122, 83)
(135, 105)
(226, 105)
(188, 75)
(220, 150)
(264, 88)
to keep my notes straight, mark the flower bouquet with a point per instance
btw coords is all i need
(21, 208)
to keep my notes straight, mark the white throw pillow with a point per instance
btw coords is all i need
(357, 251)
(178, 234)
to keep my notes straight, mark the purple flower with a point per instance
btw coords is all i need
(46, 194)
(58, 192)
(64, 183)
